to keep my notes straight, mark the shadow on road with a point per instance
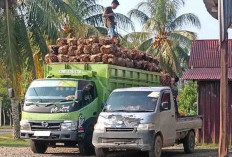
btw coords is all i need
(166, 153)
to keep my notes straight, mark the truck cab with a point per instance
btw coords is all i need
(59, 111)
(143, 119)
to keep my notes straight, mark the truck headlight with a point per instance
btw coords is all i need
(144, 127)
(99, 127)
(69, 125)
(25, 125)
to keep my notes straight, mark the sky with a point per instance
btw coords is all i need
(209, 26)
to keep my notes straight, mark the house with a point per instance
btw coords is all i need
(204, 67)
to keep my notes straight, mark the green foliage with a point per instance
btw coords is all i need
(6, 140)
(4, 95)
(188, 99)
(163, 27)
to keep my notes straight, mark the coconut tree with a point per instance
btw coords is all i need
(163, 32)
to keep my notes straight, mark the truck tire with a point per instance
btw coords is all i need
(100, 152)
(38, 146)
(86, 147)
(189, 143)
(156, 151)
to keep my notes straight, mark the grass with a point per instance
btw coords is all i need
(6, 140)
(6, 127)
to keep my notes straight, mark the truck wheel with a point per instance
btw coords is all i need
(38, 146)
(100, 152)
(189, 142)
(157, 148)
(86, 147)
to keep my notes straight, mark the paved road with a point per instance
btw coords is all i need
(71, 152)
(4, 131)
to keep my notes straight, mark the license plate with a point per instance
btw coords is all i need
(42, 133)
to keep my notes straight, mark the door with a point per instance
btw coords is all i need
(168, 120)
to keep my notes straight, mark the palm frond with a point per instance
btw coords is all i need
(185, 19)
(123, 22)
(138, 15)
(184, 38)
(95, 20)
(145, 45)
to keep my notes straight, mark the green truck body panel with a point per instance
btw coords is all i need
(107, 77)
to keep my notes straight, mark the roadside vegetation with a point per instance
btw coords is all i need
(6, 140)
(188, 99)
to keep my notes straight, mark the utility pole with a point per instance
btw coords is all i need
(223, 138)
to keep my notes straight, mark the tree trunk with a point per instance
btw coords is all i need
(0, 113)
(15, 117)
(10, 117)
(4, 117)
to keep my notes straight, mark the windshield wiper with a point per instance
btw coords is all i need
(31, 103)
(56, 104)
(65, 100)
(50, 105)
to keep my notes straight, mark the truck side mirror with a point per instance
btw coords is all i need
(165, 106)
(103, 105)
(11, 93)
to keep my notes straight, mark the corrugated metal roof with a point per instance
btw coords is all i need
(205, 54)
(205, 74)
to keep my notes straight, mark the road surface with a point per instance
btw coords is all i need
(71, 152)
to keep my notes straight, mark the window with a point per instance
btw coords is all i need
(89, 92)
(166, 98)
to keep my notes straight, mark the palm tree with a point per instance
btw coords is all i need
(162, 33)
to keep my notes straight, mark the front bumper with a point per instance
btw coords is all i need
(55, 136)
(124, 140)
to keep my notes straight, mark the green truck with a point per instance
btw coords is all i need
(62, 108)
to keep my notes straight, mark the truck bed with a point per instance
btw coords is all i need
(188, 123)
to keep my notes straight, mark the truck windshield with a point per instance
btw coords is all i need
(133, 101)
(50, 90)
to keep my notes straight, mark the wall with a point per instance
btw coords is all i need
(209, 108)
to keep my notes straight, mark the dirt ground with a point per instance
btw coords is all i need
(69, 152)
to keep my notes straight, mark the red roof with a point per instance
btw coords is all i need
(205, 61)
(205, 74)
(205, 54)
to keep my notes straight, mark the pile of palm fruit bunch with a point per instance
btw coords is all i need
(100, 49)
(165, 79)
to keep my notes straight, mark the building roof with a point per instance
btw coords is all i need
(205, 74)
(204, 61)
(205, 54)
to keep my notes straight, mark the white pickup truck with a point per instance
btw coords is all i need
(143, 119)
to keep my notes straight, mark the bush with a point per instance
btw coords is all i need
(188, 99)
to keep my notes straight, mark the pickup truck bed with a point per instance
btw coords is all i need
(186, 123)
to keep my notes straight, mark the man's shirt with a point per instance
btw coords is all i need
(111, 19)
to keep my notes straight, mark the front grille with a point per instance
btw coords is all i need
(120, 129)
(120, 140)
(52, 126)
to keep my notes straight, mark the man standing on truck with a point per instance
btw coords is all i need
(109, 17)
(174, 89)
